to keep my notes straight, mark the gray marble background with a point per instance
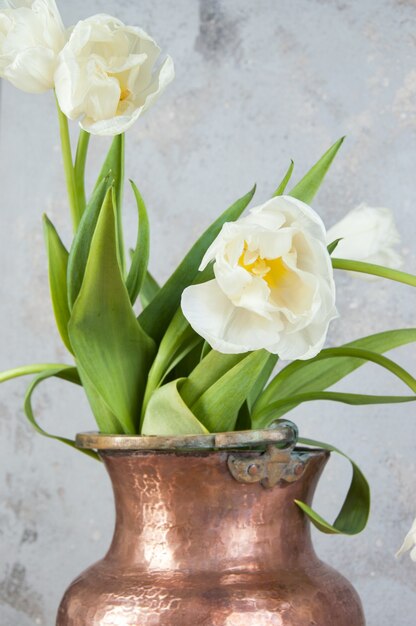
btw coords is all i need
(257, 83)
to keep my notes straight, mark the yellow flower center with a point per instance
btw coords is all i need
(273, 271)
(124, 94)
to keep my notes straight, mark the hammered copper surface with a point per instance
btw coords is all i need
(192, 546)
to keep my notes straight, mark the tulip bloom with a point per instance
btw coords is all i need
(409, 543)
(273, 285)
(368, 234)
(106, 75)
(31, 36)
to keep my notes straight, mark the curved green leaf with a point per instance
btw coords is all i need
(270, 413)
(156, 317)
(36, 368)
(373, 357)
(353, 517)
(57, 270)
(306, 189)
(167, 414)
(320, 373)
(140, 258)
(109, 344)
(281, 188)
(68, 373)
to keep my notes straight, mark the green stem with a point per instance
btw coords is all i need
(79, 168)
(69, 168)
(375, 270)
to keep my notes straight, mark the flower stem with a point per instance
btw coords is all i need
(375, 270)
(79, 168)
(69, 168)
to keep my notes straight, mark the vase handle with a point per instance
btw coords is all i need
(278, 463)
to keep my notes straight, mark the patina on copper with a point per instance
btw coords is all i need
(283, 433)
(194, 546)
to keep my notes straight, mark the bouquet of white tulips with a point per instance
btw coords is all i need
(254, 288)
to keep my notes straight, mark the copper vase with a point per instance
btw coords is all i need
(196, 545)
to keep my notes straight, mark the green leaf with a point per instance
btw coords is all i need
(209, 370)
(156, 317)
(140, 259)
(306, 189)
(262, 418)
(353, 517)
(374, 270)
(319, 373)
(107, 422)
(167, 414)
(80, 248)
(332, 246)
(374, 357)
(281, 188)
(36, 368)
(149, 289)
(109, 343)
(186, 365)
(206, 349)
(217, 408)
(68, 373)
(244, 418)
(114, 166)
(244, 421)
(57, 270)
(267, 413)
(262, 380)
(177, 342)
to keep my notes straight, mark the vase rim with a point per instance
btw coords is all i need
(283, 434)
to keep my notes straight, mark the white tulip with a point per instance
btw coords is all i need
(106, 75)
(369, 234)
(409, 543)
(273, 285)
(31, 36)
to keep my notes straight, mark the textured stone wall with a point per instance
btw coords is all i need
(257, 83)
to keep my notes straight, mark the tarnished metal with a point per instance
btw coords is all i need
(268, 468)
(194, 546)
(285, 433)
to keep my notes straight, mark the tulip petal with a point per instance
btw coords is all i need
(409, 543)
(228, 329)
